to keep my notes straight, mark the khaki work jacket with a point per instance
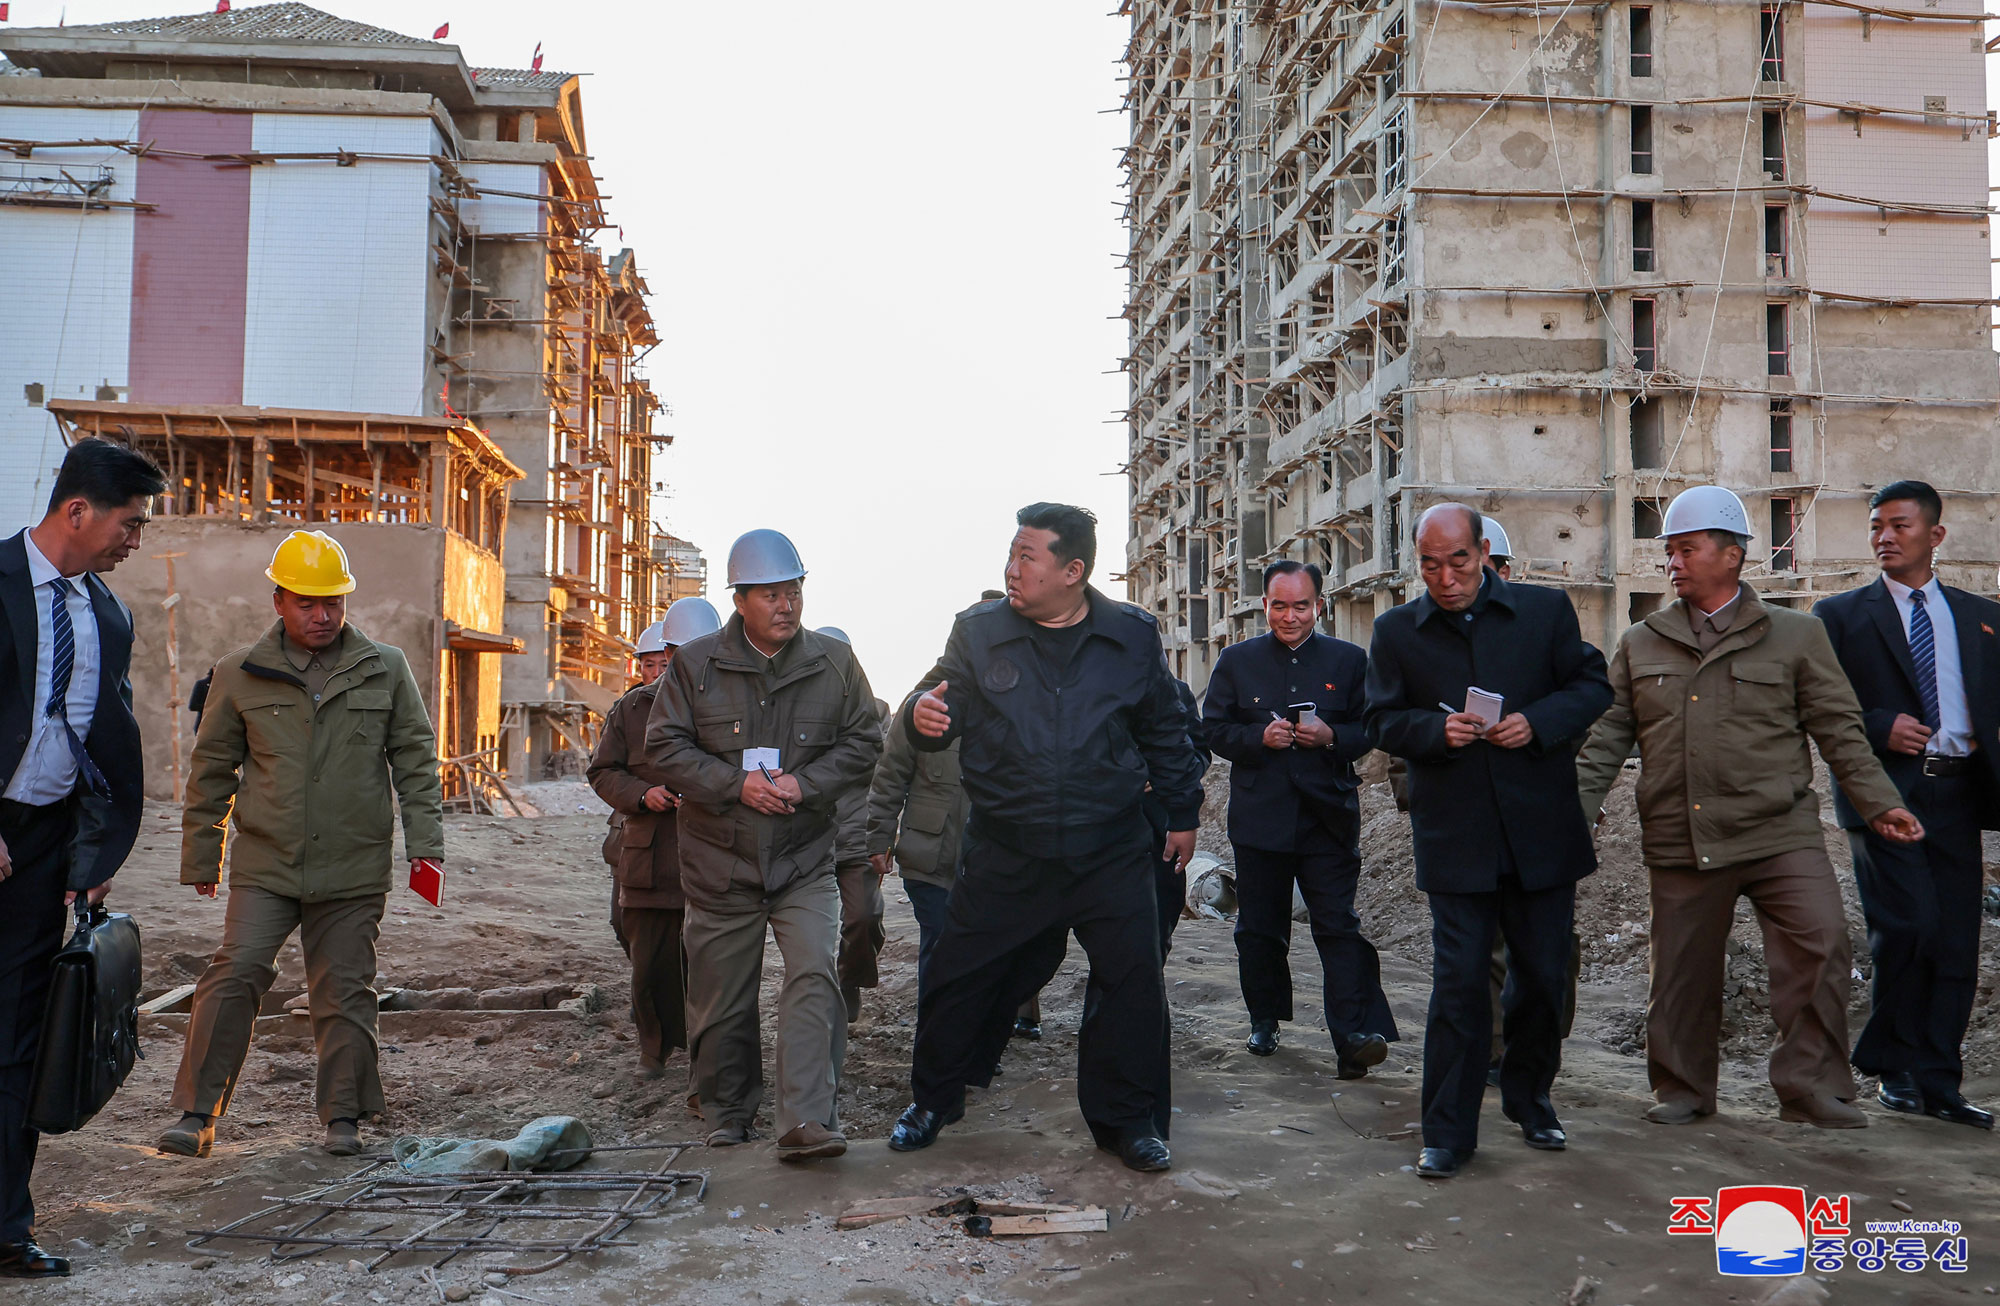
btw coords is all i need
(1725, 774)
(310, 790)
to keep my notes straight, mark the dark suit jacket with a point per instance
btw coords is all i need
(1469, 806)
(107, 827)
(1867, 636)
(1269, 789)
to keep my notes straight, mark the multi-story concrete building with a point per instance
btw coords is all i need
(1558, 260)
(275, 208)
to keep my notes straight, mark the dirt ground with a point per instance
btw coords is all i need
(1289, 1185)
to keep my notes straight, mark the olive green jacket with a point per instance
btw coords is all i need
(1725, 773)
(720, 697)
(311, 789)
(916, 809)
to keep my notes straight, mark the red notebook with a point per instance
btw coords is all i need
(427, 880)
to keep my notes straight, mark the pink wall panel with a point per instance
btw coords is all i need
(189, 259)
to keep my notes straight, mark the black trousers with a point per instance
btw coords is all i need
(31, 933)
(1458, 1035)
(1349, 965)
(1004, 938)
(1922, 905)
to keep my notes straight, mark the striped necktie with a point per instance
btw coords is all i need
(62, 664)
(1923, 651)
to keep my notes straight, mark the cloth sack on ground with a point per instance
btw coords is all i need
(528, 1150)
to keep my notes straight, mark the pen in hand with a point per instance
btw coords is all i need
(772, 781)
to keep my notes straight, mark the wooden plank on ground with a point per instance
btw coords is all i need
(1092, 1219)
(166, 1001)
(1024, 1208)
(879, 1210)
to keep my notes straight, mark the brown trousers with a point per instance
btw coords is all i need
(659, 979)
(1805, 947)
(861, 932)
(339, 942)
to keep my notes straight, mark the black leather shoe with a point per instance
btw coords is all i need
(1899, 1092)
(1263, 1038)
(1441, 1162)
(1545, 1138)
(1957, 1111)
(1357, 1052)
(1144, 1153)
(917, 1128)
(24, 1260)
(1493, 1074)
(1025, 1028)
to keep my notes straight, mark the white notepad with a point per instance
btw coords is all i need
(1484, 704)
(756, 757)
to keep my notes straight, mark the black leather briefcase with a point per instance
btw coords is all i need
(90, 1028)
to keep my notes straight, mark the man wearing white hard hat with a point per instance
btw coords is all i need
(1722, 692)
(862, 933)
(761, 728)
(643, 847)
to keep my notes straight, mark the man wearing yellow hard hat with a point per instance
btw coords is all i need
(308, 741)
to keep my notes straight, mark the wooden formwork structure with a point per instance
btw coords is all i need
(267, 464)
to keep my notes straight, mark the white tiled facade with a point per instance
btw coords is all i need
(65, 307)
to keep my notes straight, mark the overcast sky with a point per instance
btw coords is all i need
(882, 245)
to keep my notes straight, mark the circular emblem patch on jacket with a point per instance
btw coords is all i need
(1002, 676)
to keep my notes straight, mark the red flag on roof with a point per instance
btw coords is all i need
(444, 30)
(535, 64)
(221, 6)
(3, 13)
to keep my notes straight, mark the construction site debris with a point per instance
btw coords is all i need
(550, 1142)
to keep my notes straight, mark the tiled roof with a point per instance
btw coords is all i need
(276, 22)
(519, 79)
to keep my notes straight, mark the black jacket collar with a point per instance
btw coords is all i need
(1104, 618)
(1492, 591)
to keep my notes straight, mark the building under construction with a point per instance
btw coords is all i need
(1558, 260)
(209, 222)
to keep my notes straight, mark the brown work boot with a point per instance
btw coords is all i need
(1823, 1110)
(650, 1069)
(343, 1138)
(811, 1141)
(193, 1136)
(851, 995)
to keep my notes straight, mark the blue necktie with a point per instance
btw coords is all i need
(1923, 650)
(62, 663)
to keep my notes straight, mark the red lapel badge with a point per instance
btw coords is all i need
(1988, 629)
(1329, 684)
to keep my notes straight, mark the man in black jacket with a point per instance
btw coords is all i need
(1499, 830)
(1064, 711)
(67, 739)
(1295, 815)
(1924, 660)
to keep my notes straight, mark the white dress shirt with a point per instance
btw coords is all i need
(47, 773)
(1954, 732)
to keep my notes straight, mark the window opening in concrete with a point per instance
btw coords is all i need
(1646, 518)
(1395, 529)
(1645, 337)
(1642, 138)
(1776, 261)
(1648, 434)
(1643, 605)
(1393, 237)
(1774, 143)
(1642, 236)
(1781, 435)
(1777, 338)
(1395, 150)
(1771, 45)
(1642, 40)
(1784, 525)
